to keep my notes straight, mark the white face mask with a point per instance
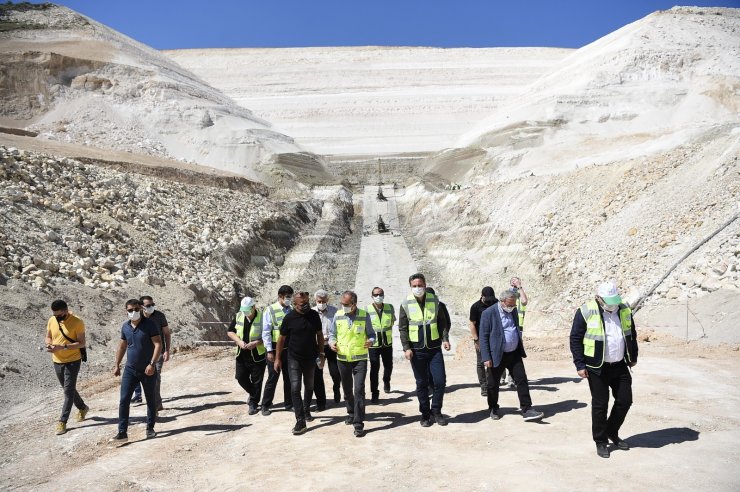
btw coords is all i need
(149, 309)
(508, 309)
(347, 309)
(321, 306)
(418, 291)
(378, 299)
(134, 315)
(287, 302)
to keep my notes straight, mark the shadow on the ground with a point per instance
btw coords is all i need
(559, 407)
(663, 437)
(192, 397)
(210, 429)
(454, 387)
(393, 419)
(555, 380)
(471, 417)
(196, 409)
(403, 397)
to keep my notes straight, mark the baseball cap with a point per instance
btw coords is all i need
(608, 292)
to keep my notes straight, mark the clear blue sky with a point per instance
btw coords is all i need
(279, 23)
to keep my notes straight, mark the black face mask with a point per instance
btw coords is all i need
(305, 307)
(61, 318)
(488, 300)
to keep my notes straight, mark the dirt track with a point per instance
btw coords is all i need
(682, 429)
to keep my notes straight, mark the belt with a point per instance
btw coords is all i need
(614, 363)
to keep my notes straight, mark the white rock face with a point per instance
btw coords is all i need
(75, 80)
(371, 100)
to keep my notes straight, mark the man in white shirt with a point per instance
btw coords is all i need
(603, 342)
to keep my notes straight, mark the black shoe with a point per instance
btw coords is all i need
(266, 411)
(602, 450)
(349, 419)
(320, 408)
(150, 433)
(288, 408)
(120, 437)
(532, 414)
(619, 443)
(136, 399)
(300, 428)
(309, 417)
(252, 410)
(375, 398)
(359, 432)
(386, 387)
(426, 421)
(495, 415)
(439, 419)
(483, 392)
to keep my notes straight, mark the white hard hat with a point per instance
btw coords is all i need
(608, 292)
(247, 303)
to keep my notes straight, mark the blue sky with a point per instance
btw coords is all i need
(280, 23)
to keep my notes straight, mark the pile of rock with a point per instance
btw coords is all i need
(65, 221)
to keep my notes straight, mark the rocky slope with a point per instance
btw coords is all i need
(72, 79)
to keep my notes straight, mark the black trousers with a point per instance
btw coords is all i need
(514, 363)
(426, 363)
(272, 379)
(353, 384)
(301, 371)
(336, 377)
(481, 370)
(376, 354)
(250, 375)
(616, 377)
(67, 376)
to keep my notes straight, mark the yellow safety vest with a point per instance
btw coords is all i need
(422, 320)
(594, 340)
(521, 310)
(255, 333)
(276, 316)
(383, 326)
(351, 338)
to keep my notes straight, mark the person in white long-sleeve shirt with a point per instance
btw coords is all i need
(326, 314)
(272, 319)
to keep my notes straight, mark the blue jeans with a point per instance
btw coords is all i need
(424, 363)
(129, 380)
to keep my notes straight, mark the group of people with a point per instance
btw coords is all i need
(291, 338)
(146, 342)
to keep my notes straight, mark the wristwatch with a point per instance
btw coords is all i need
(65, 346)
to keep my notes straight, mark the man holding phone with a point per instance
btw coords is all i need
(65, 336)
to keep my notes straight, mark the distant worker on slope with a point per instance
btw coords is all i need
(422, 337)
(65, 336)
(603, 342)
(272, 319)
(350, 336)
(301, 338)
(251, 357)
(383, 318)
(487, 299)
(502, 348)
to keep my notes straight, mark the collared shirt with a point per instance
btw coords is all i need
(511, 334)
(368, 326)
(140, 348)
(267, 328)
(613, 339)
(327, 316)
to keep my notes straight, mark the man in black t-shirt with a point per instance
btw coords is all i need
(301, 333)
(487, 299)
(148, 311)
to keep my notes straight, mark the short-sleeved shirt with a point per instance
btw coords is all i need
(476, 310)
(74, 328)
(300, 330)
(161, 321)
(139, 339)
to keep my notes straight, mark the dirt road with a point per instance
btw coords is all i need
(683, 430)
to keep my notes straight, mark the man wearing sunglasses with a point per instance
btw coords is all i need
(149, 311)
(140, 339)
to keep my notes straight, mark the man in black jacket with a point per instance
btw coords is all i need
(603, 342)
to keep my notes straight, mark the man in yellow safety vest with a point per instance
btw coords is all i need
(603, 342)
(383, 318)
(246, 332)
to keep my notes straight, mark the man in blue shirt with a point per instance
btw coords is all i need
(501, 348)
(140, 338)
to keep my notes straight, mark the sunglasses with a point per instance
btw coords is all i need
(133, 309)
(149, 305)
